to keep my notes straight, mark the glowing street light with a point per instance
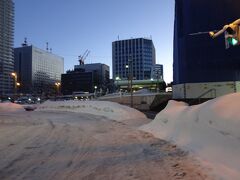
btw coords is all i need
(14, 75)
(117, 79)
(95, 91)
(58, 84)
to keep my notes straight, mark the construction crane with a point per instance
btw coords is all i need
(81, 58)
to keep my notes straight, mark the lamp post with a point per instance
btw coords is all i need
(127, 67)
(151, 84)
(117, 79)
(18, 86)
(57, 84)
(95, 91)
(131, 78)
(14, 75)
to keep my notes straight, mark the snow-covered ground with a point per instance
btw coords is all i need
(10, 107)
(51, 143)
(108, 109)
(210, 131)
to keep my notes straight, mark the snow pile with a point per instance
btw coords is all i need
(210, 130)
(108, 109)
(10, 107)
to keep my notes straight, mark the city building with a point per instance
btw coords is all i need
(202, 66)
(6, 47)
(101, 74)
(157, 71)
(77, 81)
(86, 78)
(38, 70)
(139, 52)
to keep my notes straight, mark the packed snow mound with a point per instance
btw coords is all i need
(10, 107)
(108, 109)
(210, 130)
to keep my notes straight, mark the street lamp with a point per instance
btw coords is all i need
(131, 78)
(127, 67)
(58, 84)
(117, 79)
(14, 75)
(151, 87)
(95, 91)
(18, 86)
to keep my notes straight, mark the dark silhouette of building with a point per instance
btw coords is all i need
(77, 81)
(86, 78)
(6, 46)
(197, 57)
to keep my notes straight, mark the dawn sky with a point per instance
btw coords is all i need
(73, 26)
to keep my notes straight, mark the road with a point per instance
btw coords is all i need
(63, 145)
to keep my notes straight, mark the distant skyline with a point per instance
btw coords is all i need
(70, 27)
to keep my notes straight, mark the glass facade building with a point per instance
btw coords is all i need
(157, 71)
(38, 70)
(199, 58)
(142, 53)
(6, 46)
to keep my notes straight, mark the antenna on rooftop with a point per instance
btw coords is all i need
(25, 42)
(47, 46)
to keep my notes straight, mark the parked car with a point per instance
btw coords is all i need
(25, 100)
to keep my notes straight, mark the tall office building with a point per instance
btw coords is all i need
(157, 71)
(140, 51)
(38, 70)
(6, 46)
(200, 62)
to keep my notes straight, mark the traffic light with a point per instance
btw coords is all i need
(232, 41)
(232, 36)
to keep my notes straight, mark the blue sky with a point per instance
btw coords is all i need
(72, 26)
